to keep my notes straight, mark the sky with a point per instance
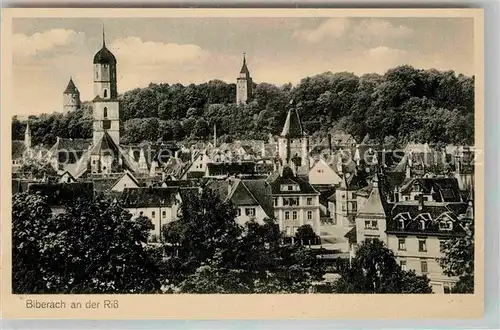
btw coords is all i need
(48, 51)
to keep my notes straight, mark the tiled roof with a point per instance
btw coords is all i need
(261, 191)
(231, 168)
(105, 146)
(60, 193)
(71, 88)
(293, 125)
(149, 197)
(245, 192)
(445, 189)
(287, 176)
(374, 206)
(431, 213)
(351, 235)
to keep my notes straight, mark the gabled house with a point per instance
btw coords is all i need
(295, 201)
(252, 198)
(158, 204)
(322, 172)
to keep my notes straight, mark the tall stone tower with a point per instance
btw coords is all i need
(243, 83)
(71, 97)
(106, 107)
(293, 143)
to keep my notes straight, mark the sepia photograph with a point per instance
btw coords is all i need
(243, 155)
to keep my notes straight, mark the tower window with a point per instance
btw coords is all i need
(105, 113)
(105, 93)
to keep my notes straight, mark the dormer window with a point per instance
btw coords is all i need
(422, 224)
(445, 225)
(401, 224)
(290, 187)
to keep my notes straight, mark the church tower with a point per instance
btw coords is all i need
(243, 84)
(106, 107)
(293, 143)
(71, 97)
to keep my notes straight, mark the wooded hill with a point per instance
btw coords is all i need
(404, 104)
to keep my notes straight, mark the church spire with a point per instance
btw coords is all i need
(244, 68)
(103, 38)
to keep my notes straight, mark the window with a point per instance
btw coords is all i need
(402, 244)
(353, 195)
(402, 263)
(407, 198)
(96, 74)
(164, 214)
(294, 215)
(106, 124)
(239, 212)
(446, 225)
(275, 201)
(371, 224)
(354, 206)
(250, 212)
(287, 215)
(447, 288)
(290, 188)
(309, 215)
(423, 266)
(105, 93)
(343, 206)
(153, 214)
(105, 112)
(309, 201)
(422, 245)
(320, 171)
(401, 224)
(422, 224)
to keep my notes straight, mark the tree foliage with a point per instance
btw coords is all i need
(375, 270)
(216, 255)
(403, 104)
(458, 260)
(92, 247)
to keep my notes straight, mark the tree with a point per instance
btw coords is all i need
(305, 235)
(375, 270)
(458, 260)
(94, 246)
(38, 169)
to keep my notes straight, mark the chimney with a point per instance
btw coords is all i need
(330, 143)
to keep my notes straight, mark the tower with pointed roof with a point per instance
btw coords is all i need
(106, 107)
(71, 97)
(244, 83)
(293, 143)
